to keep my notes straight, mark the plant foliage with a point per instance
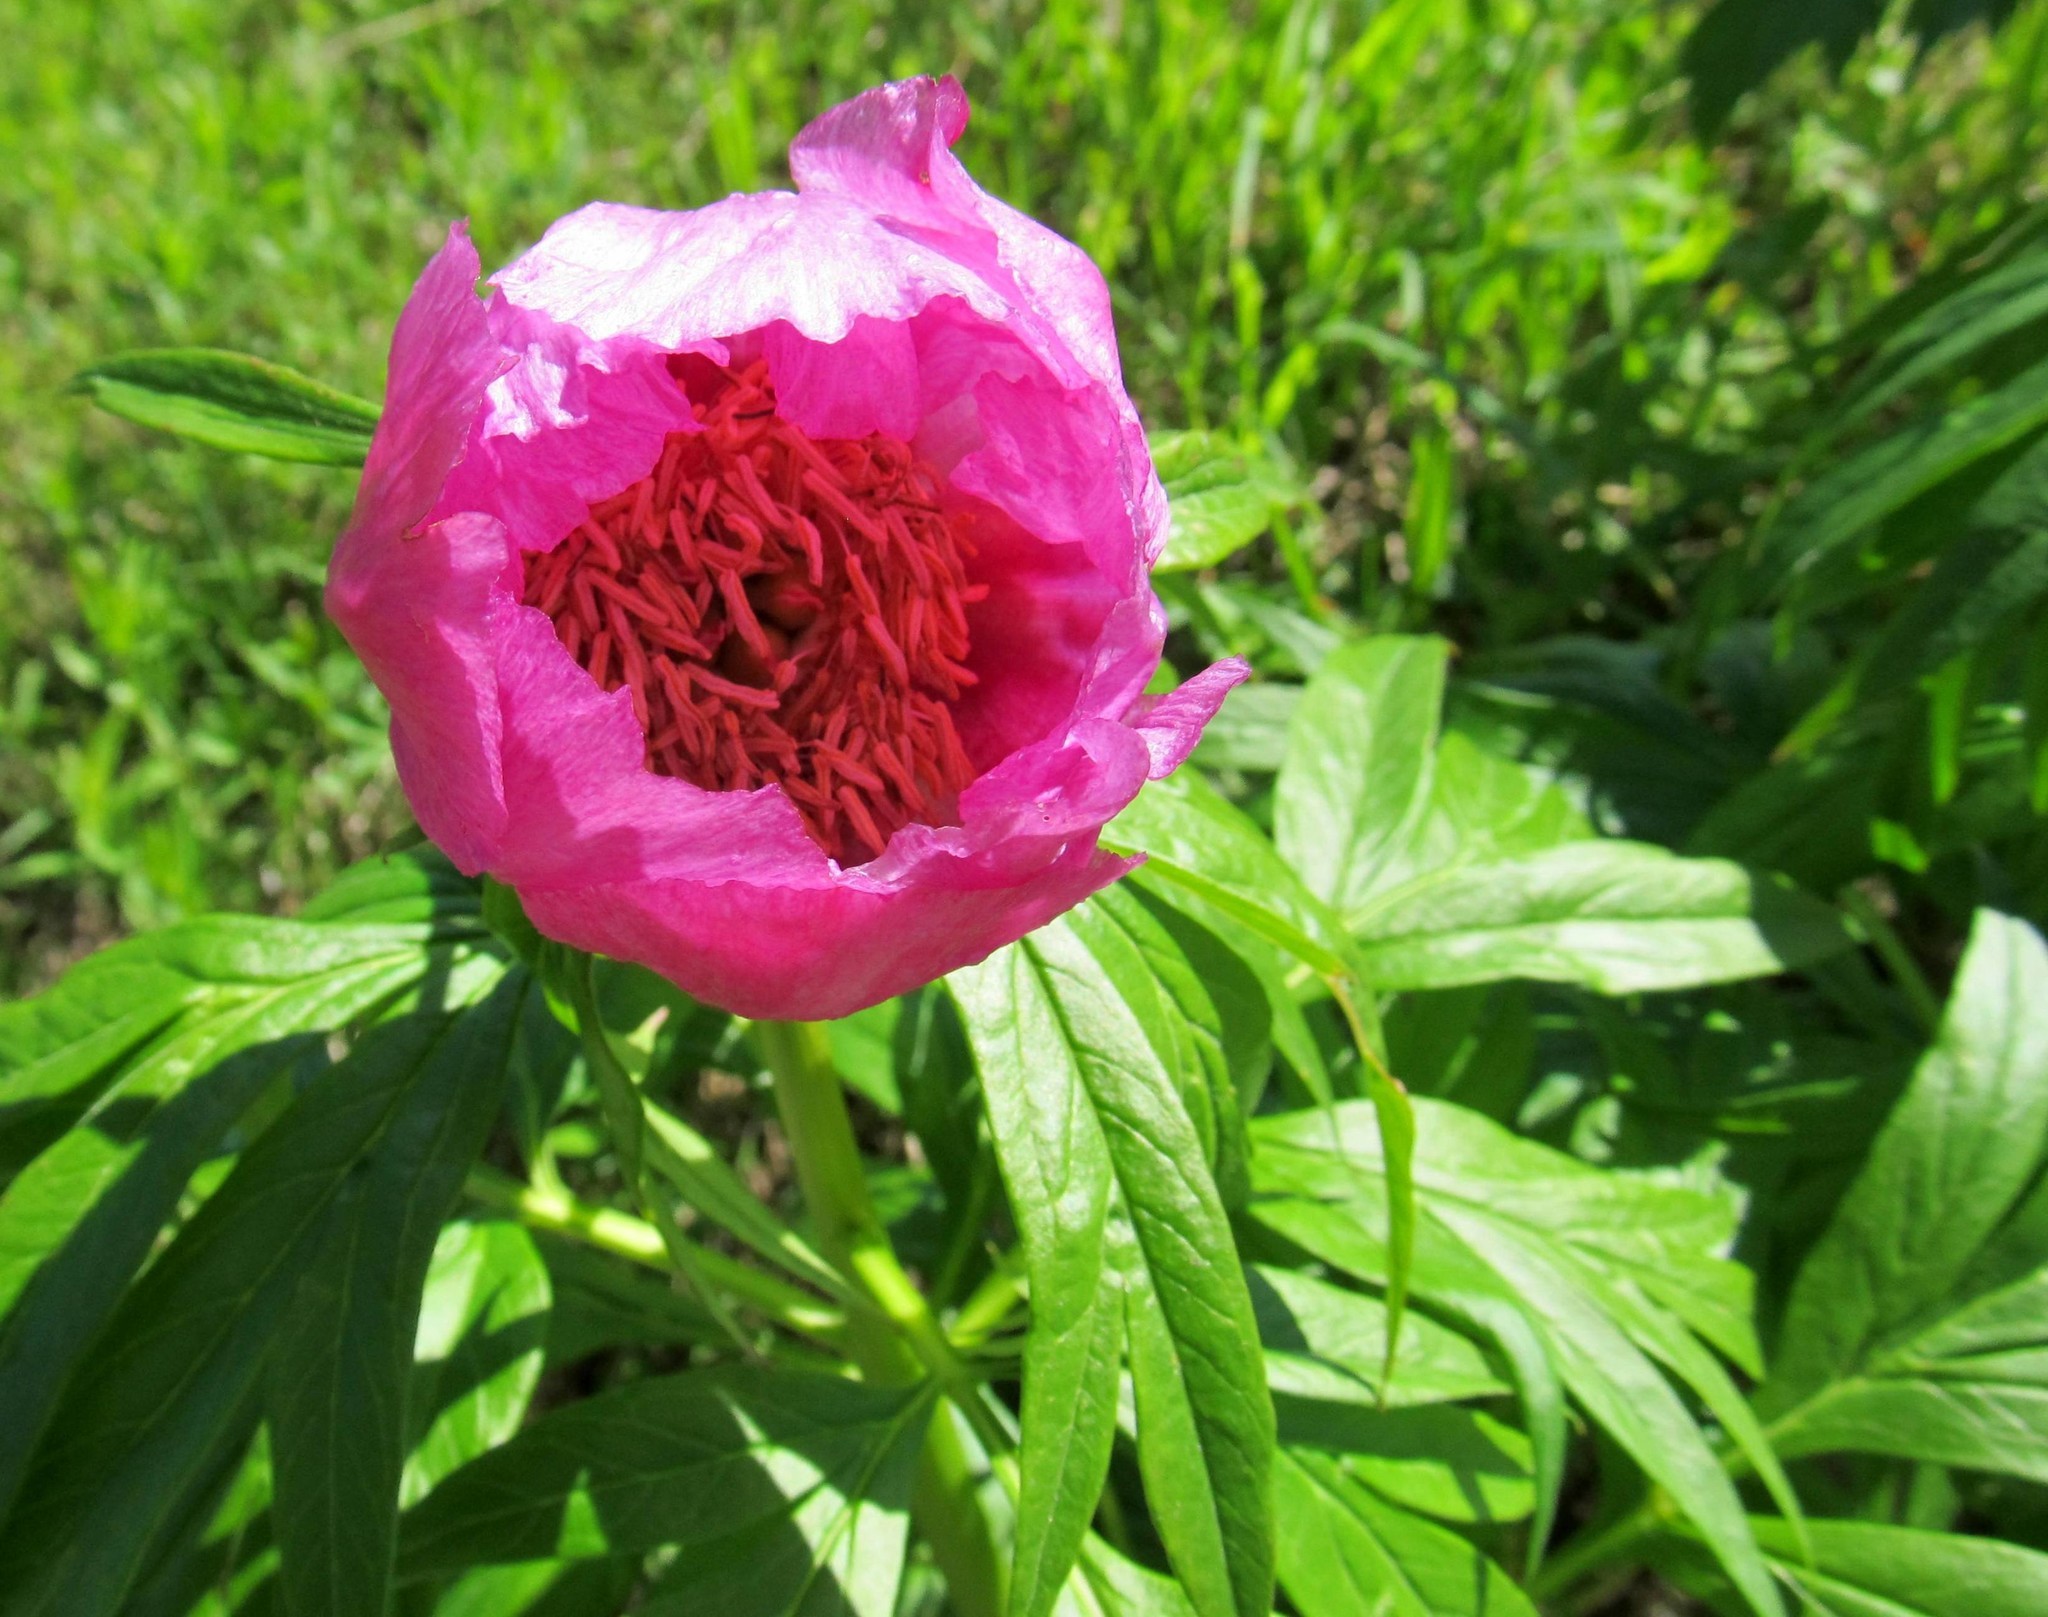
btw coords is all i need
(1557, 1124)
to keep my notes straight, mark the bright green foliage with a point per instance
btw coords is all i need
(1562, 1110)
(231, 401)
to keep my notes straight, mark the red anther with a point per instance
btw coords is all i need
(783, 610)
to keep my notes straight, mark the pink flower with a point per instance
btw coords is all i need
(763, 591)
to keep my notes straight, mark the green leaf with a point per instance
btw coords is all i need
(1619, 917)
(1077, 1001)
(839, 1553)
(864, 1053)
(1326, 1343)
(1506, 1220)
(1458, 1465)
(79, 1220)
(1873, 1569)
(1977, 316)
(1221, 496)
(1198, 1047)
(165, 1399)
(599, 1303)
(233, 401)
(1867, 487)
(1249, 732)
(1108, 1583)
(485, 1318)
(60, 1049)
(1289, 1035)
(1055, 1164)
(336, 1402)
(1205, 1420)
(541, 1589)
(688, 1459)
(1918, 1325)
(1196, 838)
(1870, 1569)
(1343, 1551)
(707, 1182)
(1356, 779)
(941, 1101)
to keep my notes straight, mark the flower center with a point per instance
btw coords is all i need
(783, 609)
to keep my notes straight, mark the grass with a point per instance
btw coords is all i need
(1461, 261)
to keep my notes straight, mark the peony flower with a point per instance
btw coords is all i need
(763, 591)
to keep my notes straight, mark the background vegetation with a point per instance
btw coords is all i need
(1585, 492)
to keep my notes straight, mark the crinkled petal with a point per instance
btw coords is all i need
(414, 602)
(570, 422)
(812, 956)
(1171, 724)
(589, 811)
(677, 281)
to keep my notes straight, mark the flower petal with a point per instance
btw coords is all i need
(589, 811)
(413, 602)
(812, 956)
(1171, 724)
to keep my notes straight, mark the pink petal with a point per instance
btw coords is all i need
(889, 295)
(415, 603)
(1171, 724)
(772, 952)
(570, 422)
(588, 809)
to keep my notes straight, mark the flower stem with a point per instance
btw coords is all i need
(543, 1207)
(905, 1342)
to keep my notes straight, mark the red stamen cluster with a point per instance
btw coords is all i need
(783, 609)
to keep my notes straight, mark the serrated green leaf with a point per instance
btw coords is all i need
(233, 401)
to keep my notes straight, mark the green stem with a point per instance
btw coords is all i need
(560, 1213)
(620, 1098)
(1596, 1550)
(989, 1305)
(1898, 960)
(906, 1342)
